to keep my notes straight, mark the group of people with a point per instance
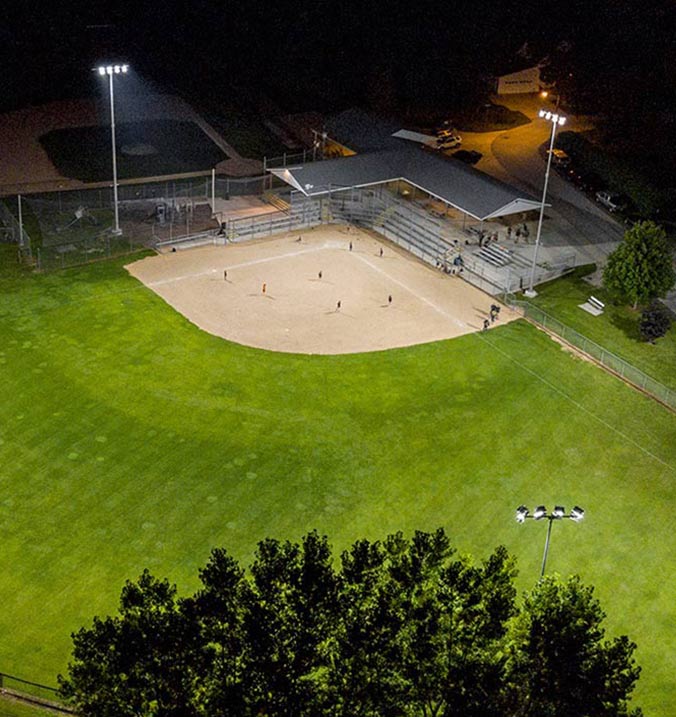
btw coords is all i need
(456, 267)
(519, 232)
(493, 315)
(485, 238)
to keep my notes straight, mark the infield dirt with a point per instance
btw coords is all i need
(273, 296)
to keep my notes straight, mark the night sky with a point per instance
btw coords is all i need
(327, 55)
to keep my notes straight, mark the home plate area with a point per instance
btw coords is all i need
(324, 291)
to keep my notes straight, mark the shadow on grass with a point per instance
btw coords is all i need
(626, 323)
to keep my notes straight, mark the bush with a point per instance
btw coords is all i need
(655, 323)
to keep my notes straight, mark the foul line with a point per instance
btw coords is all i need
(577, 404)
(253, 262)
(431, 304)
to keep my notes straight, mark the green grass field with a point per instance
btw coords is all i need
(616, 329)
(131, 439)
(12, 708)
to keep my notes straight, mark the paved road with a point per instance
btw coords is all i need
(514, 156)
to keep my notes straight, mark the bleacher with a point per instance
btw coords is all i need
(495, 254)
(499, 256)
(403, 222)
(277, 201)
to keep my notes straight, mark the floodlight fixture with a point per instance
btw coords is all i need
(557, 120)
(521, 514)
(558, 513)
(577, 514)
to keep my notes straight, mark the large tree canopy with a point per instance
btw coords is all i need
(641, 268)
(401, 627)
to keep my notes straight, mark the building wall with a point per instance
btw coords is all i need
(527, 80)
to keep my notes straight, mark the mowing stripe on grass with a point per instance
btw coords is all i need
(577, 404)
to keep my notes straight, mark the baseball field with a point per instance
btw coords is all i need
(131, 437)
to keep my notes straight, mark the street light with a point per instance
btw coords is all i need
(112, 70)
(559, 513)
(557, 120)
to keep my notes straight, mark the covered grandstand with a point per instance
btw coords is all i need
(457, 185)
(444, 212)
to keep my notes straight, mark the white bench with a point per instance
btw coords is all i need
(593, 306)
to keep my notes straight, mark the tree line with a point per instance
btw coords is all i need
(397, 627)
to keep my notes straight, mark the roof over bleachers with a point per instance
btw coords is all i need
(447, 179)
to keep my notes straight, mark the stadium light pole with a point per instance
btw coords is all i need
(557, 120)
(540, 513)
(111, 71)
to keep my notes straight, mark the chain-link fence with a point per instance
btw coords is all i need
(76, 226)
(606, 358)
(12, 231)
(85, 251)
(32, 691)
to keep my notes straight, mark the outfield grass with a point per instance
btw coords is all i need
(129, 438)
(84, 152)
(616, 329)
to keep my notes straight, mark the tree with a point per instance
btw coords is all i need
(641, 268)
(655, 323)
(217, 609)
(139, 663)
(403, 627)
(454, 618)
(560, 665)
(366, 670)
(289, 621)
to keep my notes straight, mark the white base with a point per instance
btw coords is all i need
(530, 293)
(116, 232)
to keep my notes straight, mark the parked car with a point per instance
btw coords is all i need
(468, 156)
(450, 142)
(611, 201)
(560, 158)
(445, 128)
(586, 181)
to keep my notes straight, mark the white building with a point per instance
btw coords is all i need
(523, 81)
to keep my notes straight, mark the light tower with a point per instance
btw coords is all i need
(540, 513)
(111, 71)
(557, 120)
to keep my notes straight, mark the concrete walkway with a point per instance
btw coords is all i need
(514, 156)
